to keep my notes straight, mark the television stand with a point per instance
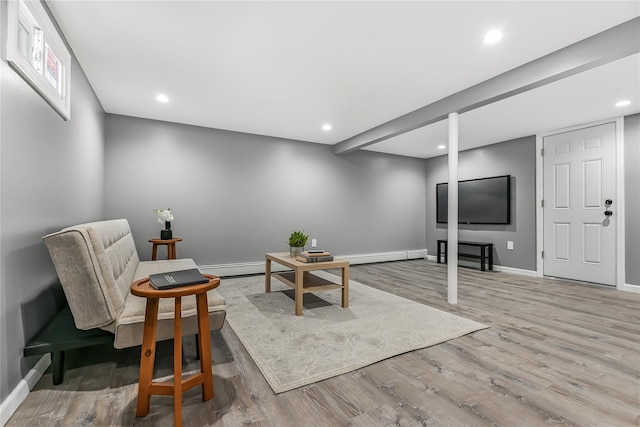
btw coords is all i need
(486, 252)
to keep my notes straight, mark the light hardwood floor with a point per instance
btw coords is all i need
(556, 353)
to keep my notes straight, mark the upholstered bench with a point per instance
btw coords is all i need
(97, 263)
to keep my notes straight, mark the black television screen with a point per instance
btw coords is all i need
(480, 201)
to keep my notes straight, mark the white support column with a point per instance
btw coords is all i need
(452, 225)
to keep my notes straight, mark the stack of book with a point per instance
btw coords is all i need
(315, 255)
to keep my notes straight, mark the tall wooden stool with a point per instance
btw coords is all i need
(146, 386)
(169, 243)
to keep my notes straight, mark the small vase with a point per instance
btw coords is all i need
(295, 251)
(166, 234)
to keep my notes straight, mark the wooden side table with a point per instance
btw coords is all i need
(146, 386)
(171, 247)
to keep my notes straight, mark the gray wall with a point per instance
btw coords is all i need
(236, 196)
(515, 158)
(52, 175)
(632, 198)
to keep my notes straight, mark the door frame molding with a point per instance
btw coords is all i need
(619, 180)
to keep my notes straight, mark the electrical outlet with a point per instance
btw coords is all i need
(509, 245)
(314, 243)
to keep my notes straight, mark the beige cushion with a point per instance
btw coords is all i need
(129, 326)
(95, 263)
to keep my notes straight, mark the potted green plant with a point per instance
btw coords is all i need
(297, 240)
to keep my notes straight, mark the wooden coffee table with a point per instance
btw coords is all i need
(302, 280)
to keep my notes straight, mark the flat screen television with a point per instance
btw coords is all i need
(480, 201)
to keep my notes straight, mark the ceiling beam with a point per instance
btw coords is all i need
(608, 46)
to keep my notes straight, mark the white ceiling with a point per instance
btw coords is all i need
(285, 68)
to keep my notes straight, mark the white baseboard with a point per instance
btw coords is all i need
(257, 267)
(501, 268)
(627, 287)
(236, 269)
(20, 393)
(385, 256)
(518, 271)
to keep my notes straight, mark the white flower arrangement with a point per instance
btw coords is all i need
(165, 216)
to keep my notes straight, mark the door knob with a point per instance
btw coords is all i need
(608, 203)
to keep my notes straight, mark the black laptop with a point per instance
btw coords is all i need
(175, 279)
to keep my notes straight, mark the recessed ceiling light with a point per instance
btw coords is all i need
(162, 98)
(493, 36)
(326, 126)
(441, 147)
(623, 103)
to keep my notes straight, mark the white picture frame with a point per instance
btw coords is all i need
(36, 51)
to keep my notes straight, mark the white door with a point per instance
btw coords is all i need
(579, 180)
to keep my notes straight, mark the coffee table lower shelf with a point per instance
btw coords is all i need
(310, 282)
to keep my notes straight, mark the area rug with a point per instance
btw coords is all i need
(328, 340)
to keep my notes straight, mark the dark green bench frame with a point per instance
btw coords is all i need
(60, 335)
